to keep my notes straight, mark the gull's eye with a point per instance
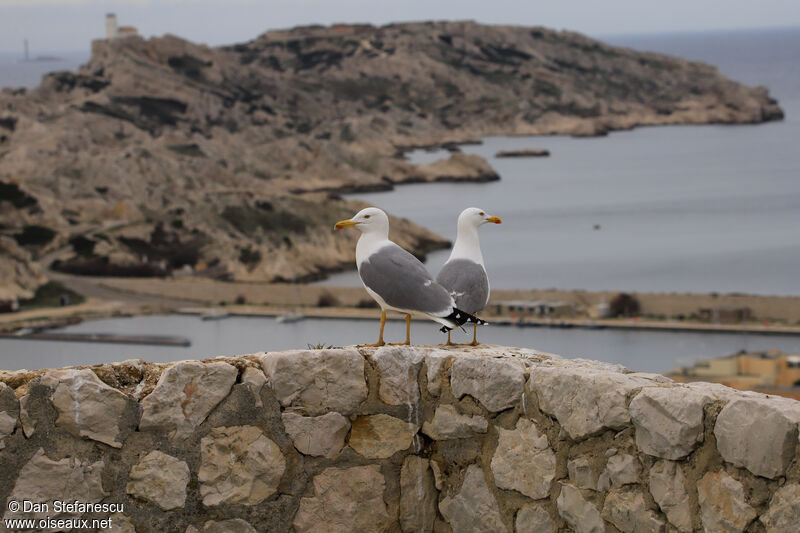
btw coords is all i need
(367, 216)
(483, 214)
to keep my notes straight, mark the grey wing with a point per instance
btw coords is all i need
(467, 282)
(402, 281)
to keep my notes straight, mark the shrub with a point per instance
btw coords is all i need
(327, 299)
(34, 236)
(624, 304)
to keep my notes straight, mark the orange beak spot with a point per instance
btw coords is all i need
(344, 224)
(494, 220)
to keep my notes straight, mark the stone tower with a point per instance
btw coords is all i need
(111, 26)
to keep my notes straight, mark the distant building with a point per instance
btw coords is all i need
(533, 308)
(111, 26)
(770, 372)
(114, 32)
(725, 315)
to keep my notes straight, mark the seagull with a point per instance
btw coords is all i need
(397, 280)
(464, 274)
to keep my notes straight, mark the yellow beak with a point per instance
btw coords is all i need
(494, 220)
(344, 224)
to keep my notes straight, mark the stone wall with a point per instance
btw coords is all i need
(396, 439)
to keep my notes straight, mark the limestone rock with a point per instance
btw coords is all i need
(346, 500)
(380, 436)
(584, 401)
(418, 496)
(580, 514)
(474, 509)
(234, 525)
(581, 473)
(668, 487)
(784, 510)
(86, 406)
(185, 395)
(523, 461)
(238, 464)
(9, 412)
(321, 436)
(318, 380)
(25, 418)
(398, 368)
(448, 423)
(119, 524)
(623, 469)
(722, 503)
(254, 379)
(668, 420)
(160, 479)
(45, 480)
(435, 362)
(627, 511)
(533, 519)
(497, 383)
(767, 445)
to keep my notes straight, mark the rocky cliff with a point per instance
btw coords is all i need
(163, 154)
(397, 439)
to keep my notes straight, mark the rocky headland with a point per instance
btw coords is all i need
(162, 155)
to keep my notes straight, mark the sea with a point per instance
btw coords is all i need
(712, 208)
(674, 209)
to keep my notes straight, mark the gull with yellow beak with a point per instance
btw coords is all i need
(396, 279)
(464, 274)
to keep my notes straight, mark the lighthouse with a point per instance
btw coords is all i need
(111, 26)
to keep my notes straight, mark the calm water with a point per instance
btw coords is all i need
(16, 73)
(645, 351)
(684, 208)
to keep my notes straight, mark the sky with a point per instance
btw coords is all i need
(69, 25)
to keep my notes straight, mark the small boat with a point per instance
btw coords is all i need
(215, 314)
(288, 318)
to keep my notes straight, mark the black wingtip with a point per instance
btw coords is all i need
(460, 317)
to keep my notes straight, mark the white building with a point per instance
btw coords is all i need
(118, 32)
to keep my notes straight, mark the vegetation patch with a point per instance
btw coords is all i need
(34, 236)
(247, 220)
(191, 150)
(10, 192)
(52, 294)
(100, 266)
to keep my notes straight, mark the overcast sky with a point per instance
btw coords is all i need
(66, 25)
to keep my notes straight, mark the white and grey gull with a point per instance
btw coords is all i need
(397, 280)
(464, 274)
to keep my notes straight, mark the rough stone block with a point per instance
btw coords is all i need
(580, 514)
(581, 473)
(418, 495)
(448, 423)
(44, 480)
(474, 509)
(668, 487)
(623, 469)
(758, 434)
(625, 508)
(318, 381)
(668, 420)
(381, 436)
(86, 406)
(234, 525)
(784, 510)
(497, 383)
(185, 395)
(159, 479)
(723, 506)
(523, 461)
(533, 519)
(435, 362)
(398, 368)
(239, 465)
(321, 436)
(344, 500)
(584, 401)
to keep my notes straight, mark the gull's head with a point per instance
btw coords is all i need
(474, 216)
(367, 220)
